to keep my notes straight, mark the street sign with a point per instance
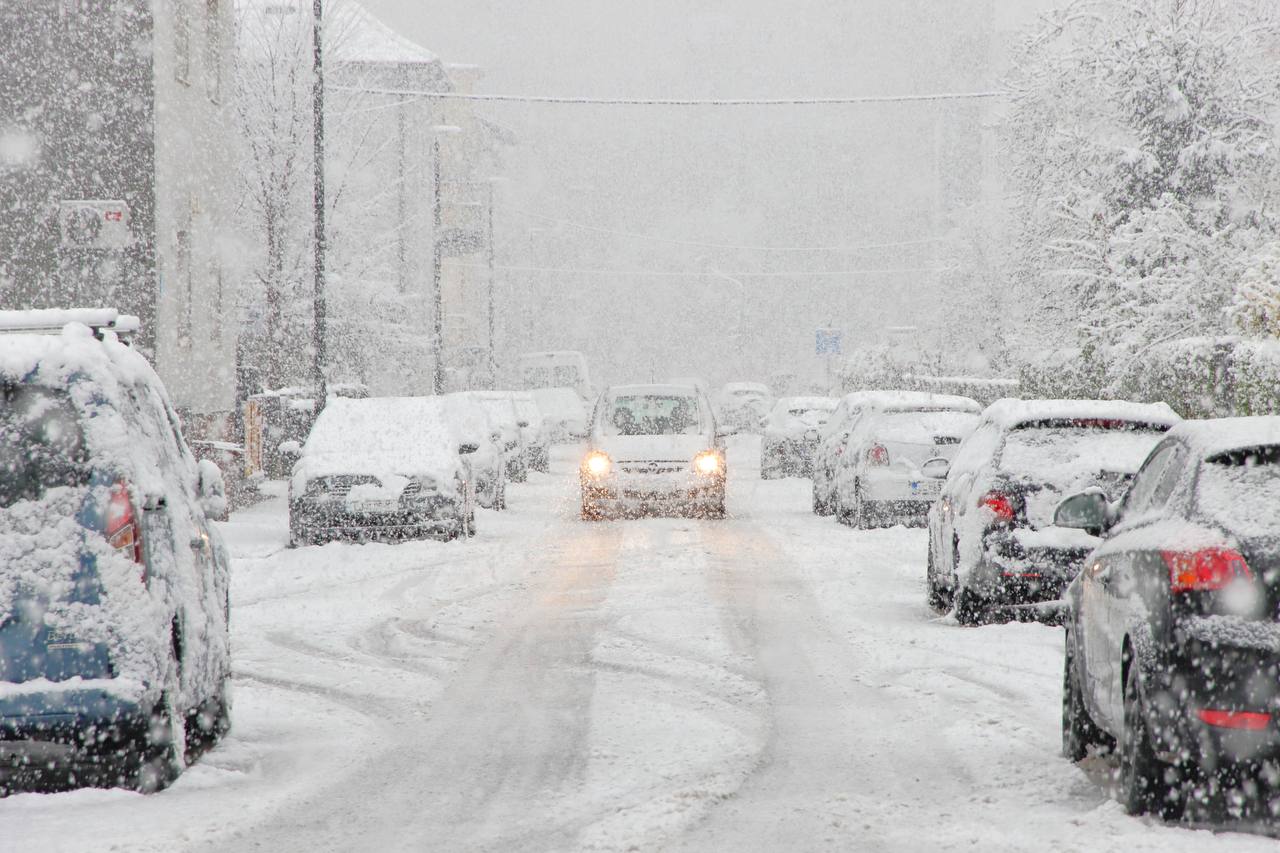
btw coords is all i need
(828, 341)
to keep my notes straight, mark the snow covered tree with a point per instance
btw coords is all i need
(1256, 309)
(1141, 148)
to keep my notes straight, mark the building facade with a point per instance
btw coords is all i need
(114, 161)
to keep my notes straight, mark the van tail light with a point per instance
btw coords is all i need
(998, 504)
(123, 531)
(1204, 570)
(1251, 721)
(878, 454)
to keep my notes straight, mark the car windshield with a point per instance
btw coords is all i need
(42, 444)
(652, 414)
(1240, 490)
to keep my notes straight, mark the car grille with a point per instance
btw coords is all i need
(659, 467)
(340, 485)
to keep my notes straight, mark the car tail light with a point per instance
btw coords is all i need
(878, 454)
(123, 531)
(1247, 720)
(1207, 569)
(999, 504)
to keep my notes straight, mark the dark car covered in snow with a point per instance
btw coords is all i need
(114, 647)
(992, 537)
(381, 468)
(1173, 632)
(790, 435)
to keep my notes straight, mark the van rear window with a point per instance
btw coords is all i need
(42, 443)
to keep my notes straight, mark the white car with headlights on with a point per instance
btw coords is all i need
(653, 448)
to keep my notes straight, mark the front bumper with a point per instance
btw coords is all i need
(442, 520)
(622, 493)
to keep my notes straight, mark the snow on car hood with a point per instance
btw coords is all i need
(644, 448)
(390, 438)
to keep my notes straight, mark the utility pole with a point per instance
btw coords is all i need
(319, 320)
(437, 249)
(493, 362)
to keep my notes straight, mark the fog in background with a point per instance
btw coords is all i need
(802, 176)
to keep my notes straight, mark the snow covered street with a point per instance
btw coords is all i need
(771, 681)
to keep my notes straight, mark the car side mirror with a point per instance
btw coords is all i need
(213, 490)
(467, 449)
(936, 468)
(1087, 511)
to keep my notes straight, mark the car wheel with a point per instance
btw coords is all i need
(859, 517)
(590, 512)
(1143, 784)
(939, 596)
(151, 761)
(1079, 732)
(821, 505)
(970, 608)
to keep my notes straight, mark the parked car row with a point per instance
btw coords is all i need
(1155, 541)
(411, 467)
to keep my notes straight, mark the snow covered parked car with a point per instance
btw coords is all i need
(564, 417)
(790, 436)
(114, 649)
(536, 441)
(1173, 631)
(381, 468)
(882, 477)
(473, 429)
(653, 447)
(992, 538)
(741, 406)
(501, 408)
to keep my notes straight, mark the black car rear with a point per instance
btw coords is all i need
(1173, 644)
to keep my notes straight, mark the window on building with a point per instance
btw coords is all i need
(181, 41)
(213, 49)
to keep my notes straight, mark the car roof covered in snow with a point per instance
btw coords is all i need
(1221, 435)
(405, 436)
(652, 390)
(911, 400)
(826, 404)
(1011, 413)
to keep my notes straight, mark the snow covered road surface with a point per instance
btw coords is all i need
(773, 681)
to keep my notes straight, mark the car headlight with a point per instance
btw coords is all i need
(708, 462)
(597, 464)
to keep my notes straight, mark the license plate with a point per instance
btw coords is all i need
(926, 488)
(375, 506)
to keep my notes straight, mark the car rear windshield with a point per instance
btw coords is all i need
(42, 443)
(653, 414)
(925, 427)
(810, 417)
(1061, 451)
(1241, 490)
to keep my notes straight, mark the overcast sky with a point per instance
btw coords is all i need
(804, 176)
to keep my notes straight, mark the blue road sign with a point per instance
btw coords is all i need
(828, 341)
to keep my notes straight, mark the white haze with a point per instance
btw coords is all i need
(775, 176)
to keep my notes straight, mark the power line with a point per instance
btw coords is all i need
(703, 245)
(679, 102)
(690, 274)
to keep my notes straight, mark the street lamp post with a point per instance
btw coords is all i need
(437, 258)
